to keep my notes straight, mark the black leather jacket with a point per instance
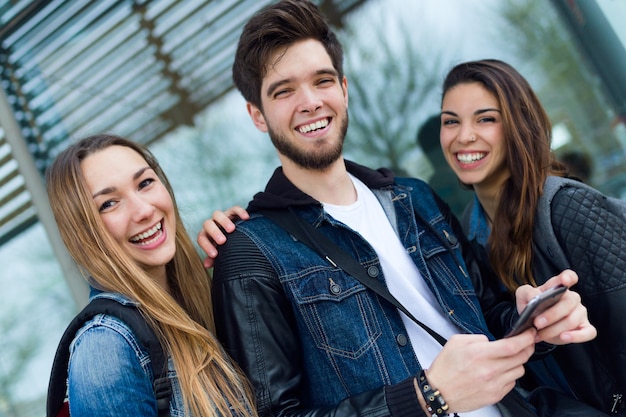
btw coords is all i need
(594, 241)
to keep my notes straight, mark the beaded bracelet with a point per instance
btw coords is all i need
(436, 405)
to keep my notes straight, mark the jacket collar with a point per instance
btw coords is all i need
(282, 193)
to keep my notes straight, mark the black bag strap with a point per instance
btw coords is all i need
(131, 316)
(512, 402)
(311, 237)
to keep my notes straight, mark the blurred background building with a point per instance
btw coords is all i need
(158, 72)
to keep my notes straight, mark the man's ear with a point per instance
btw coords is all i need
(257, 117)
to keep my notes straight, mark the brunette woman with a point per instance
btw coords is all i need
(495, 134)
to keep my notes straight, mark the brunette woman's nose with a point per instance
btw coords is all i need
(467, 137)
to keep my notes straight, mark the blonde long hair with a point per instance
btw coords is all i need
(211, 384)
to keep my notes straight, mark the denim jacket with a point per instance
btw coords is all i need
(110, 374)
(312, 339)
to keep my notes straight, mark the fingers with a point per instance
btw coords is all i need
(583, 333)
(567, 278)
(236, 212)
(567, 321)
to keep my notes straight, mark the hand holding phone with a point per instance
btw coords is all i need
(535, 307)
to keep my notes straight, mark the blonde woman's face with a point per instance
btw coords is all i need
(135, 206)
(472, 136)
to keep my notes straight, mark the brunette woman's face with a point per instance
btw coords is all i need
(134, 204)
(472, 136)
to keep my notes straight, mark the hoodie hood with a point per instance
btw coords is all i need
(281, 193)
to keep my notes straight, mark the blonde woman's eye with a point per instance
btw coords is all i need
(107, 204)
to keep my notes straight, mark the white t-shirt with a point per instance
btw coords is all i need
(367, 217)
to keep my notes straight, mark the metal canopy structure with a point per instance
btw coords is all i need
(139, 68)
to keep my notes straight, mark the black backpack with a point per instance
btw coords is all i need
(57, 405)
(543, 232)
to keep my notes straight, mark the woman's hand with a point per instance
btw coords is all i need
(567, 320)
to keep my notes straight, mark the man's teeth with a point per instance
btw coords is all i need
(470, 157)
(313, 126)
(145, 235)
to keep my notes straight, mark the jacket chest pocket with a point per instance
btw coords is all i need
(337, 311)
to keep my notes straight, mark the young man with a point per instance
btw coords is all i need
(312, 339)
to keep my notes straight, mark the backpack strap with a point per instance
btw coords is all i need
(543, 232)
(132, 317)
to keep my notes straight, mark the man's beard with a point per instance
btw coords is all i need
(312, 160)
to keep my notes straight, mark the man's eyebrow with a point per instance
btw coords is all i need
(109, 190)
(274, 86)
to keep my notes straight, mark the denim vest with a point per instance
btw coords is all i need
(111, 374)
(354, 341)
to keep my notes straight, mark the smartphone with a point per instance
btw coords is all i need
(536, 306)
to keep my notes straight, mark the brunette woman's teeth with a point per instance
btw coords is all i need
(467, 158)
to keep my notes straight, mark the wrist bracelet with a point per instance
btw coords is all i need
(436, 405)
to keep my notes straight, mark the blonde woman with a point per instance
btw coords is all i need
(118, 218)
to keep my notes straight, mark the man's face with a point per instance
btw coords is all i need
(305, 106)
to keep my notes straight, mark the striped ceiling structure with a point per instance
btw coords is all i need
(137, 67)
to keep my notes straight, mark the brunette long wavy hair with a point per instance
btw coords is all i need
(527, 137)
(211, 384)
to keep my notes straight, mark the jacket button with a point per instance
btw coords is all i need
(401, 339)
(451, 238)
(372, 271)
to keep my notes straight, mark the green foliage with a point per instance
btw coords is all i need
(571, 95)
(393, 84)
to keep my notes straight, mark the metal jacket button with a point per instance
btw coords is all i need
(401, 339)
(334, 287)
(372, 271)
(451, 238)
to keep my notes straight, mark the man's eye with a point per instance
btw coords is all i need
(281, 93)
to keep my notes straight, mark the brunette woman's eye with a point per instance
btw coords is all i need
(144, 183)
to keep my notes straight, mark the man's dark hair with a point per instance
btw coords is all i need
(277, 26)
